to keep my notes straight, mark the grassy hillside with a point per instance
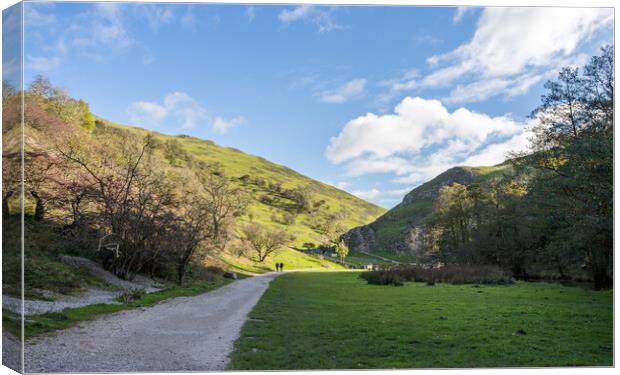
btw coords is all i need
(391, 232)
(274, 193)
(266, 183)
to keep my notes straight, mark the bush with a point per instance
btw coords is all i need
(130, 295)
(382, 277)
(453, 274)
(198, 274)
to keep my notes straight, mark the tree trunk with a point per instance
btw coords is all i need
(598, 263)
(560, 268)
(182, 265)
(5, 205)
(602, 280)
(181, 273)
(39, 211)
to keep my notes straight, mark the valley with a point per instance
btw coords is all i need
(127, 249)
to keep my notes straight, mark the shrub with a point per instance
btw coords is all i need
(198, 274)
(382, 277)
(130, 295)
(453, 274)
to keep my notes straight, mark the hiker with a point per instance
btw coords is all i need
(281, 266)
(277, 267)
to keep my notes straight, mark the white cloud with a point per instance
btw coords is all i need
(98, 33)
(426, 39)
(103, 26)
(41, 63)
(322, 19)
(460, 13)
(94, 33)
(344, 92)
(341, 185)
(296, 14)
(178, 108)
(421, 139)
(477, 91)
(400, 192)
(371, 195)
(147, 113)
(381, 196)
(188, 20)
(250, 13)
(496, 153)
(157, 15)
(512, 49)
(35, 18)
(416, 124)
(508, 40)
(222, 125)
(372, 164)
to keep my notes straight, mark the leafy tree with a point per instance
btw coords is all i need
(88, 119)
(572, 153)
(330, 228)
(557, 212)
(342, 250)
(56, 101)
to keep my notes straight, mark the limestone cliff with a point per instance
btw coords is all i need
(401, 229)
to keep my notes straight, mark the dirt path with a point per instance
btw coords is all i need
(380, 257)
(184, 334)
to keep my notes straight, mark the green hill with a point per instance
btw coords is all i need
(400, 230)
(269, 186)
(274, 190)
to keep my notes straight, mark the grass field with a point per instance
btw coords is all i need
(335, 320)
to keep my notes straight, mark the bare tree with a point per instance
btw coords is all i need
(222, 203)
(205, 220)
(130, 197)
(263, 242)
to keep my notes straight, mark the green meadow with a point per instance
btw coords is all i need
(334, 320)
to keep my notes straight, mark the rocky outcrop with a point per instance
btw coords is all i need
(412, 240)
(430, 190)
(361, 238)
(410, 214)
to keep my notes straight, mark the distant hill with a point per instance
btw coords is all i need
(400, 229)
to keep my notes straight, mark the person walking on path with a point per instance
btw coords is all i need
(281, 267)
(277, 267)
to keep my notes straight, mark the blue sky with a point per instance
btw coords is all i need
(374, 100)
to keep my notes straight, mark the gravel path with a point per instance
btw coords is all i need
(32, 307)
(11, 351)
(183, 334)
(380, 257)
(89, 297)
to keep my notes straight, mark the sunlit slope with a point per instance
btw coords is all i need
(260, 178)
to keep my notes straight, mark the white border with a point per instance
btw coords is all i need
(555, 3)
